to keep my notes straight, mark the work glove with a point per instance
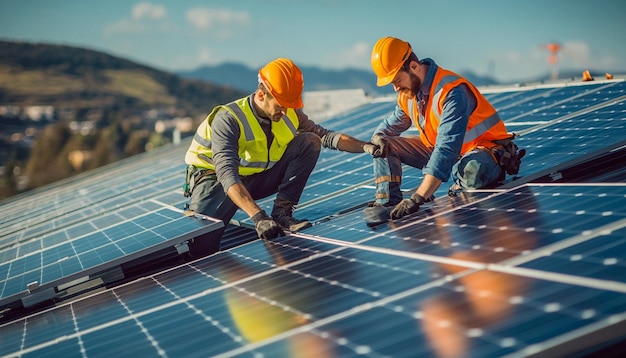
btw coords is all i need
(266, 227)
(407, 206)
(371, 149)
(379, 141)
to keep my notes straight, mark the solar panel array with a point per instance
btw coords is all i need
(527, 268)
(92, 223)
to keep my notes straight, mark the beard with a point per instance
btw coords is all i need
(416, 83)
(277, 116)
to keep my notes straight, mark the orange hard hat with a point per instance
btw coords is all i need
(388, 56)
(283, 79)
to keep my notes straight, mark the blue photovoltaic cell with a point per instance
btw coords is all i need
(600, 257)
(92, 193)
(563, 101)
(83, 254)
(351, 227)
(458, 319)
(573, 139)
(85, 227)
(510, 98)
(293, 295)
(82, 210)
(507, 224)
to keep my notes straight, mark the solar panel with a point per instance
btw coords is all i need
(42, 265)
(523, 269)
(97, 192)
(567, 142)
(600, 257)
(473, 294)
(562, 101)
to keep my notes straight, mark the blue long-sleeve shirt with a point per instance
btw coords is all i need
(457, 108)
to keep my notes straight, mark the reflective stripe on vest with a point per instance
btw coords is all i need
(247, 130)
(203, 141)
(481, 128)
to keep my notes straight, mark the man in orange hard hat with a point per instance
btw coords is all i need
(257, 146)
(460, 133)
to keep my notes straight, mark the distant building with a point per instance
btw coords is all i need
(10, 111)
(83, 127)
(39, 113)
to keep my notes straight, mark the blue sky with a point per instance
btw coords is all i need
(503, 38)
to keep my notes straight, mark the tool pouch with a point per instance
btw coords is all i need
(195, 176)
(189, 179)
(511, 157)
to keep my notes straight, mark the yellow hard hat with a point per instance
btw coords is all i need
(388, 56)
(283, 79)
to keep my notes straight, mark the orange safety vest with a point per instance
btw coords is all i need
(484, 125)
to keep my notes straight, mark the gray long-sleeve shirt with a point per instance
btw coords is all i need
(225, 141)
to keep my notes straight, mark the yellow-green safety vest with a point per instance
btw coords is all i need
(254, 156)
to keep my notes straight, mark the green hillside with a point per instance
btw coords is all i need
(44, 74)
(97, 109)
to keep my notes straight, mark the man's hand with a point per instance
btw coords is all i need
(266, 227)
(407, 206)
(371, 149)
(379, 141)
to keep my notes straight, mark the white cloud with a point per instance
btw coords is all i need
(606, 63)
(578, 51)
(142, 19)
(357, 56)
(203, 56)
(522, 65)
(515, 57)
(146, 10)
(514, 65)
(123, 26)
(206, 56)
(203, 18)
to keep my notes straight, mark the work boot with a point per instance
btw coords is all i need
(454, 190)
(282, 213)
(376, 213)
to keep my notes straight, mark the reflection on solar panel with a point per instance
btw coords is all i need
(527, 268)
(422, 288)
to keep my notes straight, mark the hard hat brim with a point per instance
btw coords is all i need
(297, 104)
(385, 80)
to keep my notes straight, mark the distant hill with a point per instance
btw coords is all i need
(65, 110)
(315, 79)
(62, 76)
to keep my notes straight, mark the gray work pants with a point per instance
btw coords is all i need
(287, 178)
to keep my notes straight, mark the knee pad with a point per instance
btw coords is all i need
(471, 175)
